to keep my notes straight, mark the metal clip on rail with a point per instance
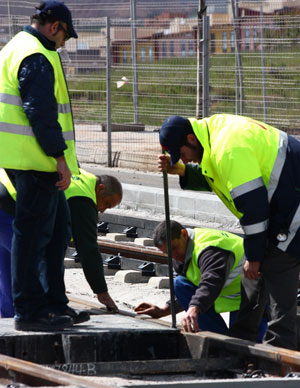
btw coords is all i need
(130, 231)
(103, 227)
(148, 269)
(113, 262)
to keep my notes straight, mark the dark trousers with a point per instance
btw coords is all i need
(6, 303)
(40, 237)
(278, 288)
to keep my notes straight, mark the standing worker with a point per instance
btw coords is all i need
(37, 149)
(86, 195)
(254, 169)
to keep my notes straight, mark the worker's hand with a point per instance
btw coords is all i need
(105, 299)
(164, 161)
(64, 173)
(251, 269)
(189, 322)
(152, 310)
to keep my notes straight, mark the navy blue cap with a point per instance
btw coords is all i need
(58, 11)
(172, 135)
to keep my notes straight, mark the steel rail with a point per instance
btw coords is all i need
(132, 250)
(19, 371)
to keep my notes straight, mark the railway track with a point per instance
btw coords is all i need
(203, 355)
(77, 361)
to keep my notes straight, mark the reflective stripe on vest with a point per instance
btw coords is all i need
(27, 131)
(82, 185)
(294, 226)
(229, 298)
(16, 100)
(4, 179)
(278, 165)
(19, 148)
(259, 227)
(246, 187)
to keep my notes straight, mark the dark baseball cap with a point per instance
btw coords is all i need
(172, 135)
(58, 11)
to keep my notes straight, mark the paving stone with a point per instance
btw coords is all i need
(159, 282)
(130, 277)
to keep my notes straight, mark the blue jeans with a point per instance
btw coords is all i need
(6, 303)
(210, 320)
(39, 240)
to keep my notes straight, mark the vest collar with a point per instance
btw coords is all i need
(201, 131)
(189, 250)
(48, 44)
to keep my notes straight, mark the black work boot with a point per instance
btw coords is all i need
(47, 322)
(77, 316)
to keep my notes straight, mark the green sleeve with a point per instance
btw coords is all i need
(84, 217)
(193, 179)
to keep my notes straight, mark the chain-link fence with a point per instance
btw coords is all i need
(126, 76)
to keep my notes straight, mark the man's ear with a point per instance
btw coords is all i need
(100, 188)
(53, 27)
(184, 234)
(192, 139)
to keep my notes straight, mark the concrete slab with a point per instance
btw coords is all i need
(102, 322)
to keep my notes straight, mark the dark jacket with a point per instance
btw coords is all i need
(36, 85)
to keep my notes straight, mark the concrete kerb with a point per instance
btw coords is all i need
(201, 207)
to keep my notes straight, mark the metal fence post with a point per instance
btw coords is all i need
(201, 12)
(108, 92)
(239, 103)
(263, 64)
(134, 60)
(205, 87)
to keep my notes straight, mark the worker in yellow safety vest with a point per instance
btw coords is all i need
(254, 169)
(38, 152)
(208, 265)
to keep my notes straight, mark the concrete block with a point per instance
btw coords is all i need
(70, 263)
(144, 241)
(109, 271)
(159, 282)
(119, 237)
(130, 277)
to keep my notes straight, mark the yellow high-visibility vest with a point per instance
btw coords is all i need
(230, 296)
(258, 148)
(82, 185)
(19, 148)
